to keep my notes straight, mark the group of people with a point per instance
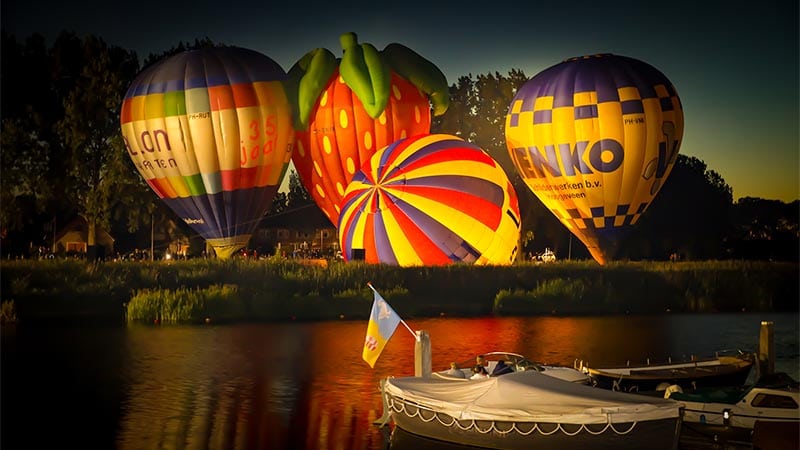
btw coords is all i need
(481, 369)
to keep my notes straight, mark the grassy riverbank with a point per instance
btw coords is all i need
(281, 290)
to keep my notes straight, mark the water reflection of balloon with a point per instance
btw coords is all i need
(210, 131)
(594, 138)
(347, 109)
(430, 200)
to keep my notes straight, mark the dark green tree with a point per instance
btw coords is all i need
(765, 229)
(279, 202)
(477, 112)
(180, 47)
(97, 166)
(690, 216)
(29, 109)
(297, 197)
(25, 189)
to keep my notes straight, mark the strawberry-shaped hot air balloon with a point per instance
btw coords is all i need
(210, 131)
(345, 110)
(595, 138)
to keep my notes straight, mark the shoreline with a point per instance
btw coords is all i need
(280, 290)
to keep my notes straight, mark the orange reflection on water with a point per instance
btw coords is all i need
(546, 340)
(346, 397)
(305, 386)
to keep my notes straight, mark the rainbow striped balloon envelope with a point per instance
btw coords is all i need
(210, 131)
(428, 200)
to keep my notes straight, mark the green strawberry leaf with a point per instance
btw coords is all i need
(305, 82)
(365, 73)
(421, 73)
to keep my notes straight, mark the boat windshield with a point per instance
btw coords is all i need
(518, 362)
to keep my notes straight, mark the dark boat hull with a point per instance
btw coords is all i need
(659, 434)
(649, 378)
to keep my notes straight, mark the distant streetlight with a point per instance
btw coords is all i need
(54, 234)
(569, 254)
(152, 236)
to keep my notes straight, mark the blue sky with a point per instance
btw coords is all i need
(734, 63)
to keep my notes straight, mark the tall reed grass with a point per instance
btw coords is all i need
(184, 305)
(8, 313)
(283, 289)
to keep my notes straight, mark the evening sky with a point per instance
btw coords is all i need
(733, 63)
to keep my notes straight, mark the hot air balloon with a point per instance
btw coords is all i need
(595, 138)
(430, 200)
(348, 109)
(210, 131)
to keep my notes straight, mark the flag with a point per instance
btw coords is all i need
(382, 323)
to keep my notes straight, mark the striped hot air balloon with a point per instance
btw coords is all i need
(595, 138)
(430, 200)
(210, 131)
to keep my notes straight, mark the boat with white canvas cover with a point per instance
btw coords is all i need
(529, 410)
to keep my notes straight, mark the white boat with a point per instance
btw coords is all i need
(514, 363)
(529, 410)
(773, 398)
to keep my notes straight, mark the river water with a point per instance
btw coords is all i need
(298, 385)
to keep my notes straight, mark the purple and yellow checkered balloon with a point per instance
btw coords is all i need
(595, 138)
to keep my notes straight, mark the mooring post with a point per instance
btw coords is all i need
(422, 354)
(766, 349)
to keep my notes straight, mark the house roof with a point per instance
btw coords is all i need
(79, 224)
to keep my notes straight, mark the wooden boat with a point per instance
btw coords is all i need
(529, 410)
(515, 362)
(726, 410)
(726, 368)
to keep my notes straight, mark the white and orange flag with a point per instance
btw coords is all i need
(382, 323)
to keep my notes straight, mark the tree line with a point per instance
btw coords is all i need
(63, 156)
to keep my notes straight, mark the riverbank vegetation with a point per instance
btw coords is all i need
(217, 291)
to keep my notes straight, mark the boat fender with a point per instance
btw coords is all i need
(662, 386)
(671, 390)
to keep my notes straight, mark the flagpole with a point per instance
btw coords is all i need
(416, 337)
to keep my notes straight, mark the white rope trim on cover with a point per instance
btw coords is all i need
(400, 406)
